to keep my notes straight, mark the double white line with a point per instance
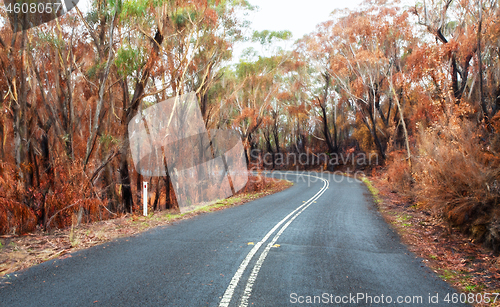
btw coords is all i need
(228, 294)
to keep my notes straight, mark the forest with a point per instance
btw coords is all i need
(416, 86)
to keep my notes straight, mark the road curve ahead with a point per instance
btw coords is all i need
(320, 242)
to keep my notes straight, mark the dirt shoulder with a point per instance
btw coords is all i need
(460, 261)
(21, 252)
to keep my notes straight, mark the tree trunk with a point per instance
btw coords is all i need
(480, 71)
(402, 120)
(102, 86)
(374, 133)
(326, 131)
(20, 109)
(168, 190)
(334, 121)
(2, 154)
(157, 195)
(129, 111)
(276, 141)
(127, 200)
(267, 136)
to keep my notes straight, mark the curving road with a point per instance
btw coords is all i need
(320, 242)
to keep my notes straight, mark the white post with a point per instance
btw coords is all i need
(145, 198)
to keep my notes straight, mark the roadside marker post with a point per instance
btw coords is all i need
(145, 198)
(170, 138)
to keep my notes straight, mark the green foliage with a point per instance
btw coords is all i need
(268, 37)
(249, 67)
(450, 27)
(102, 9)
(50, 38)
(449, 275)
(249, 54)
(107, 140)
(115, 5)
(134, 8)
(242, 3)
(92, 17)
(95, 69)
(244, 69)
(129, 59)
(181, 18)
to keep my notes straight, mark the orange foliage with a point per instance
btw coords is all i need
(15, 217)
(398, 173)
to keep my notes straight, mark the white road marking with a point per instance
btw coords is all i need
(263, 255)
(228, 294)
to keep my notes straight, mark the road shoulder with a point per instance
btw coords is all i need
(458, 260)
(19, 252)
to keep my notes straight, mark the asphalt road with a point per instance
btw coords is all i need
(322, 240)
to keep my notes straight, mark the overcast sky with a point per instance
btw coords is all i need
(298, 16)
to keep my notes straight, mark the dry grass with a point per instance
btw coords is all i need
(398, 173)
(457, 177)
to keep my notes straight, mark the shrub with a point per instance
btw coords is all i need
(398, 174)
(15, 217)
(457, 175)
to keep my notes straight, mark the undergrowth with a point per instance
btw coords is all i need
(455, 175)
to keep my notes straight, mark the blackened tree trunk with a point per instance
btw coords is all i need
(276, 131)
(267, 137)
(374, 133)
(129, 111)
(168, 190)
(324, 117)
(326, 130)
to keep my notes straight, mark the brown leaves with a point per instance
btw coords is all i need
(16, 217)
